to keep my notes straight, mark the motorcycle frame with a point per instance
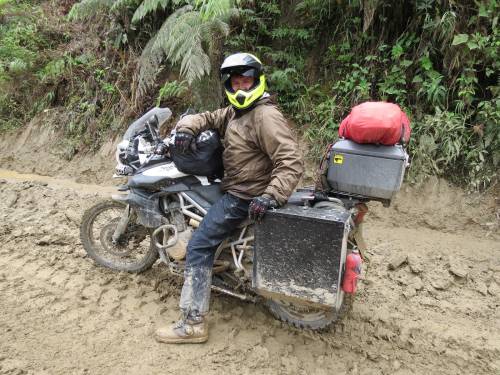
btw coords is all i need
(187, 206)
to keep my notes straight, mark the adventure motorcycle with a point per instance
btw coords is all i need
(160, 207)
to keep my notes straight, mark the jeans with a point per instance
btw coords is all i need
(221, 219)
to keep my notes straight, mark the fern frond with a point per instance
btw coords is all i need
(88, 8)
(165, 31)
(122, 4)
(213, 33)
(213, 9)
(185, 47)
(153, 53)
(171, 89)
(148, 6)
(195, 65)
(18, 66)
(182, 37)
(149, 64)
(53, 70)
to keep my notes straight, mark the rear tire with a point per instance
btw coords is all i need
(302, 316)
(97, 241)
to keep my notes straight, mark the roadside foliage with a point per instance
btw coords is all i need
(106, 61)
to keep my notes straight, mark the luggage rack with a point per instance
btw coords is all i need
(359, 197)
(302, 194)
(305, 194)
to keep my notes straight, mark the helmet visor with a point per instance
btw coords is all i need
(239, 71)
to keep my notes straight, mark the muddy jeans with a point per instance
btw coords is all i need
(221, 219)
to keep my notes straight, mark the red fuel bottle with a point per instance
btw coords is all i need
(352, 271)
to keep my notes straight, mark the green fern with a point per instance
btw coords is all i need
(17, 66)
(183, 45)
(211, 10)
(122, 4)
(88, 8)
(171, 89)
(181, 39)
(152, 54)
(52, 70)
(149, 64)
(148, 6)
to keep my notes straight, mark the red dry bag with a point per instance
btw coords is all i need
(376, 122)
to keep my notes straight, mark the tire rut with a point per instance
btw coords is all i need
(62, 314)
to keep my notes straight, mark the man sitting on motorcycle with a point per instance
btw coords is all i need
(262, 167)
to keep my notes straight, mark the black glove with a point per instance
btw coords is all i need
(161, 148)
(259, 206)
(183, 142)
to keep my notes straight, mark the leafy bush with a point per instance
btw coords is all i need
(22, 40)
(438, 60)
(189, 37)
(36, 74)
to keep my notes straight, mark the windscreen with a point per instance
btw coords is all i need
(139, 125)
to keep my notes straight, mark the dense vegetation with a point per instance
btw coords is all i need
(108, 60)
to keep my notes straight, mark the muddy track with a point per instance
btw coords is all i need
(429, 302)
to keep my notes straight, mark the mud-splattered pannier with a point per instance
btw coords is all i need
(291, 261)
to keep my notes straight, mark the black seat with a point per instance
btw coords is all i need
(147, 182)
(211, 193)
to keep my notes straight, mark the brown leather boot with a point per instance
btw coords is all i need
(185, 331)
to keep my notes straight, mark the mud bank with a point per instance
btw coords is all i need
(429, 301)
(40, 148)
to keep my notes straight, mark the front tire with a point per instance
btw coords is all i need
(135, 252)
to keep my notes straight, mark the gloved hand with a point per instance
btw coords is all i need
(259, 206)
(123, 170)
(161, 148)
(183, 142)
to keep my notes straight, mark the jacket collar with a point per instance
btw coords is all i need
(265, 99)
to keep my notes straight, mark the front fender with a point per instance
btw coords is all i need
(145, 204)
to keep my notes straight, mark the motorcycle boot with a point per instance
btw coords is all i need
(192, 329)
(194, 303)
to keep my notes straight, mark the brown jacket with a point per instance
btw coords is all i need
(260, 154)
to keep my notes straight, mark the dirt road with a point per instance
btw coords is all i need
(436, 311)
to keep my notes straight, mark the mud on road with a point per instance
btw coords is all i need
(429, 301)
